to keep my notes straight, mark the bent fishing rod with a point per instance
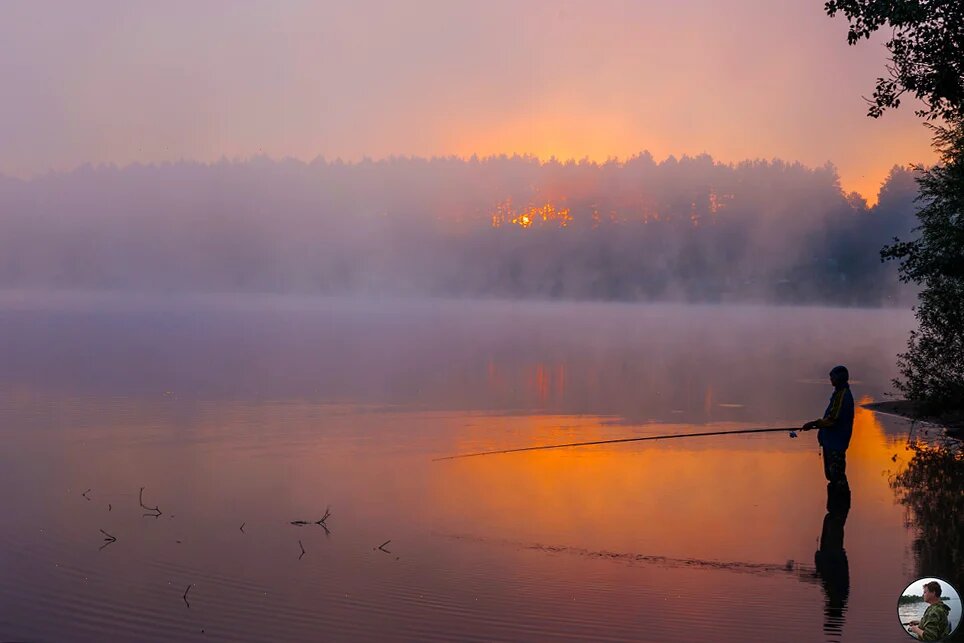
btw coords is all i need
(791, 429)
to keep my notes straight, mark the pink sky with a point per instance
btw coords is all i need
(118, 82)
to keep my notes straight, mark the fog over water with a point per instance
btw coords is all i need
(633, 362)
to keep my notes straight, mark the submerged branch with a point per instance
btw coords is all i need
(140, 498)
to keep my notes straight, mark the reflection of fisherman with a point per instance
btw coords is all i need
(933, 625)
(836, 426)
(832, 567)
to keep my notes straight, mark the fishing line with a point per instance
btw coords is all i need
(791, 429)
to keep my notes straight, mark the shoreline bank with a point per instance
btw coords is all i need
(953, 423)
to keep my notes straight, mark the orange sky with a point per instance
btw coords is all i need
(118, 82)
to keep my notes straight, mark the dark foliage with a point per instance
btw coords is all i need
(933, 366)
(926, 47)
(932, 489)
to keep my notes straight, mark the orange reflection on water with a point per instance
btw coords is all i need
(733, 499)
(871, 452)
(758, 498)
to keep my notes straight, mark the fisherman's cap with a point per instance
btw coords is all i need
(840, 370)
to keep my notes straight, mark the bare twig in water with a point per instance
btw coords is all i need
(86, 497)
(185, 595)
(302, 550)
(321, 522)
(325, 517)
(140, 498)
(108, 540)
(242, 526)
(382, 546)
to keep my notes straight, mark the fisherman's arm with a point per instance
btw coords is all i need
(830, 418)
(822, 423)
(930, 629)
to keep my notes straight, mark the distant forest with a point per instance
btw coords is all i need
(688, 229)
(909, 598)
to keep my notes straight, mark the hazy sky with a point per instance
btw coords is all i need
(117, 82)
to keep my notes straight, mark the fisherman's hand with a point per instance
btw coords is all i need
(808, 426)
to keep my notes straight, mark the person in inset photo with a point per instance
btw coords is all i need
(935, 624)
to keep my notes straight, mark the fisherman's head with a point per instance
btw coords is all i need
(932, 592)
(839, 376)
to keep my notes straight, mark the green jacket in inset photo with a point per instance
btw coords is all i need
(934, 623)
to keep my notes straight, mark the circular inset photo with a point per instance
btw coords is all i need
(929, 609)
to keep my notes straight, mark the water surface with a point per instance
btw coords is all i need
(263, 411)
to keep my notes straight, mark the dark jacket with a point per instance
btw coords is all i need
(934, 623)
(837, 423)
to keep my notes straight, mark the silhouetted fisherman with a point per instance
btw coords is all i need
(831, 563)
(836, 427)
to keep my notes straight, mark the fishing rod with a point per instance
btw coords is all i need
(792, 430)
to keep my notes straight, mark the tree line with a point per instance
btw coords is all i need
(690, 229)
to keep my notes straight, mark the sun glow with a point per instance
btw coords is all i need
(545, 215)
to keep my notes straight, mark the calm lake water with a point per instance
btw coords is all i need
(263, 411)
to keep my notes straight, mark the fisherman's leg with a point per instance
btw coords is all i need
(838, 488)
(844, 483)
(835, 466)
(826, 472)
